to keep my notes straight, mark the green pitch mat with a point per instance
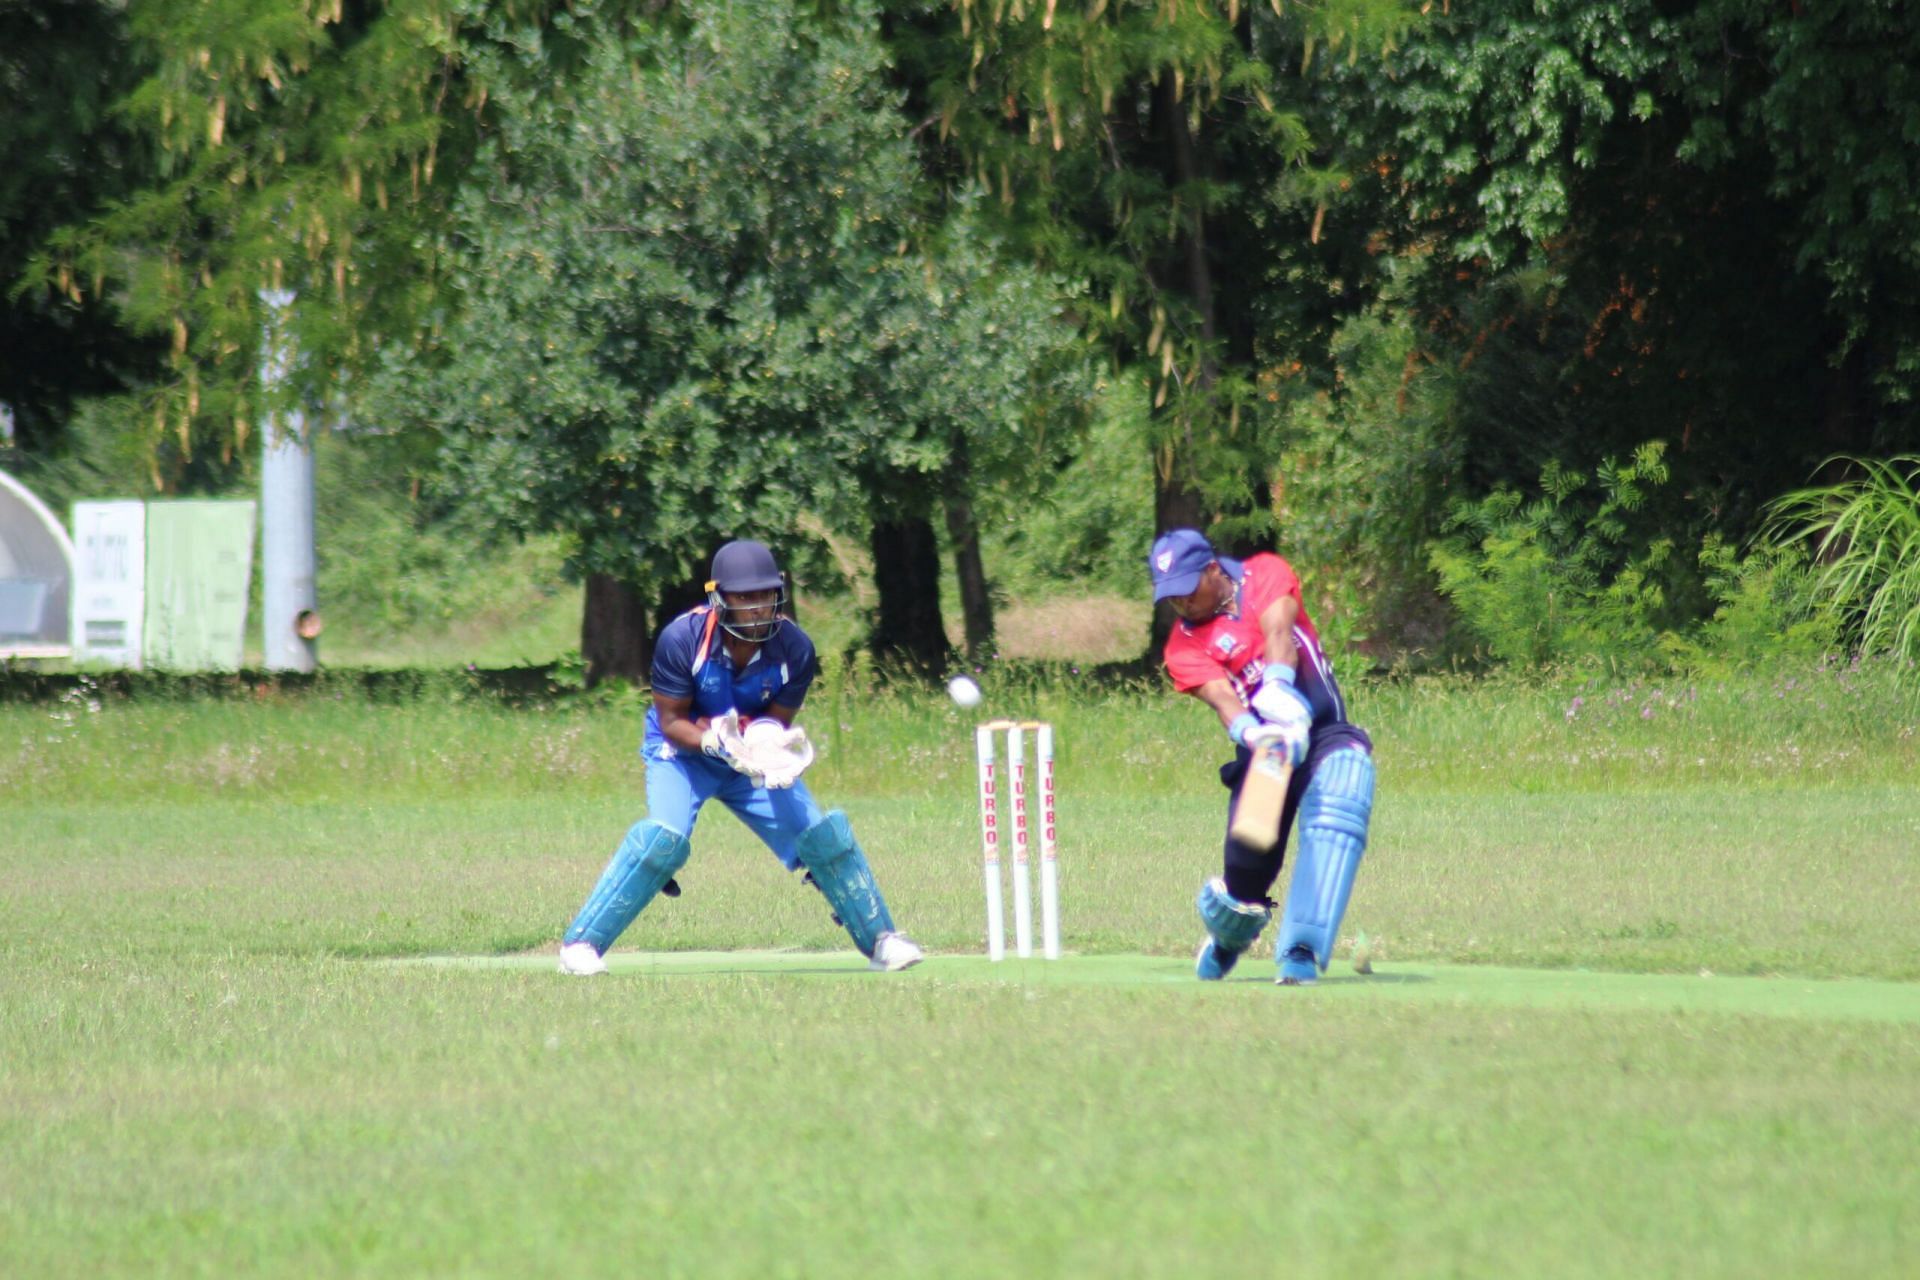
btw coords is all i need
(1840, 999)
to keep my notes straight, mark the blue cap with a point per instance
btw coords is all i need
(1178, 558)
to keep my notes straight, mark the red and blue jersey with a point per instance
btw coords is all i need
(1231, 646)
(690, 660)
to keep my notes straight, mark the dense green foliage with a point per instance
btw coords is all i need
(1636, 222)
(1162, 153)
(1355, 268)
(406, 581)
(298, 147)
(666, 335)
(63, 155)
(1373, 461)
(1092, 520)
(1557, 577)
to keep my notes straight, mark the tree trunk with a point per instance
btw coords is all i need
(907, 629)
(615, 639)
(976, 603)
(1843, 426)
(677, 599)
(1177, 501)
(1174, 507)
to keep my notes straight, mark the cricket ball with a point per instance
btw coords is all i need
(762, 728)
(964, 692)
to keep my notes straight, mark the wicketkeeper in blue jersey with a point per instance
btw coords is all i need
(728, 677)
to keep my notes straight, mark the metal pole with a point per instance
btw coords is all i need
(289, 618)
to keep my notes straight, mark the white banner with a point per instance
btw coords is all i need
(110, 580)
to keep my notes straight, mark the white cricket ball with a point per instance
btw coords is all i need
(761, 728)
(963, 691)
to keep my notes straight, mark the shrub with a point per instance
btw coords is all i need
(1765, 614)
(1363, 485)
(1557, 578)
(1863, 535)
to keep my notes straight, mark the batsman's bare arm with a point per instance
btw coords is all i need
(1219, 695)
(1276, 625)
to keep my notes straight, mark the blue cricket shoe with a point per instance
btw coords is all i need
(1213, 961)
(1297, 967)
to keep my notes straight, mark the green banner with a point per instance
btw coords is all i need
(199, 563)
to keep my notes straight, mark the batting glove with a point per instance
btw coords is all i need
(1251, 732)
(1278, 702)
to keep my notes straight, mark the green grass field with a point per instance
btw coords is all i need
(276, 983)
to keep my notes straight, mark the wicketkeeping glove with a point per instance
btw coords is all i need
(721, 739)
(780, 753)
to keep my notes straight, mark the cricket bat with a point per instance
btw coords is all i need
(1263, 793)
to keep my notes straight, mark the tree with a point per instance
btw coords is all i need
(63, 63)
(306, 147)
(989, 390)
(1161, 151)
(689, 294)
(1644, 221)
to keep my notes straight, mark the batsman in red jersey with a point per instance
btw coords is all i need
(1244, 645)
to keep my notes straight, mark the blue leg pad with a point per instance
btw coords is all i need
(839, 868)
(1232, 926)
(644, 863)
(1334, 813)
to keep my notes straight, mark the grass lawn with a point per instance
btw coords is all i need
(276, 993)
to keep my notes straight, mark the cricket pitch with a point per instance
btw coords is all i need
(1841, 999)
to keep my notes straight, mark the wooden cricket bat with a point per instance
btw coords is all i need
(1263, 793)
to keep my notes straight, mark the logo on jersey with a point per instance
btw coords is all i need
(1226, 643)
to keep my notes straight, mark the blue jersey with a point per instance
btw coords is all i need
(690, 660)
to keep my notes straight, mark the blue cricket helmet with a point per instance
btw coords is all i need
(745, 565)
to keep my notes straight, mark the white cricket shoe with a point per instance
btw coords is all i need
(894, 952)
(581, 960)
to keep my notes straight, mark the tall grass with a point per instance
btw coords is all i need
(1864, 536)
(1824, 724)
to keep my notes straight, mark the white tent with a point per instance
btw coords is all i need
(36, 576)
